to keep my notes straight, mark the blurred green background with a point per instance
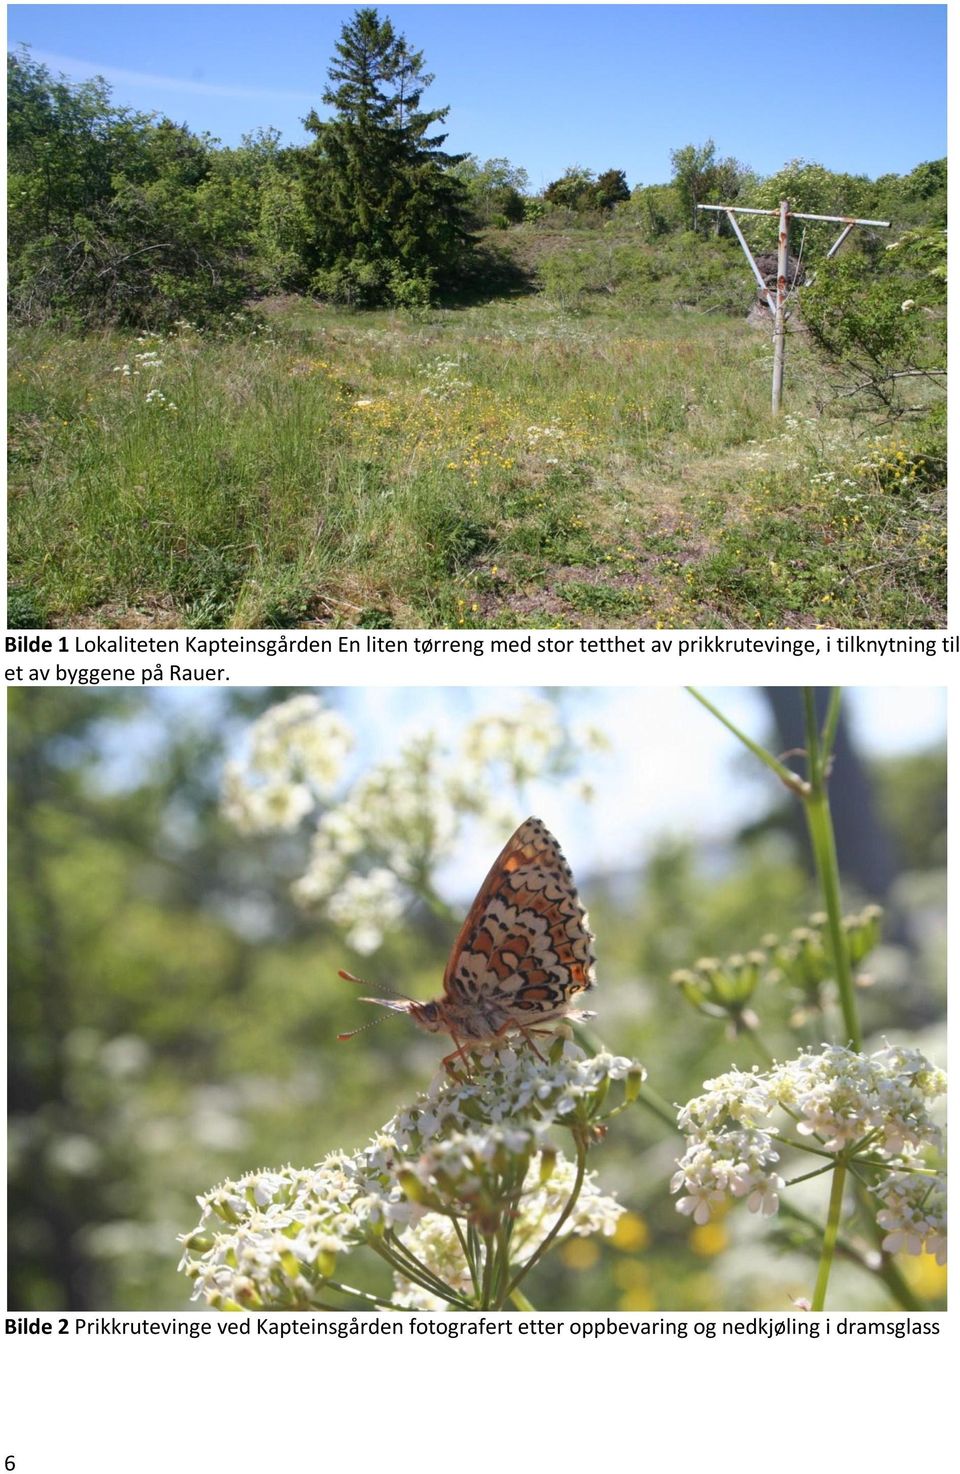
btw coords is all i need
(173, 1012)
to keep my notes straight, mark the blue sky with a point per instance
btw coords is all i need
(855, 87)
(671, 768)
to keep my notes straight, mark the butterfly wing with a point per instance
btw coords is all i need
(525, 948)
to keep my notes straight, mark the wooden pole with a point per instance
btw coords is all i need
(780, 316)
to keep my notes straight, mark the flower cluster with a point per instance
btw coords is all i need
(545, 1192)
(551, 433)
(567, 1088)
(365, 906)
(873, 1109)
(524, 743)
(297, 754)
(245, 322)
(403, 815)
(271, 1239)
(547, 437)
(461, 1193)
(893, 465)
(803, 963)
(442, 379)
(149, 359)
(146, 361)
(159, 399)
(914, 1214)
(721, 989)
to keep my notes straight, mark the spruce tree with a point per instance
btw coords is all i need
(387, 216)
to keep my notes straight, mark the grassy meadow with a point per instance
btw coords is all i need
(521, 462)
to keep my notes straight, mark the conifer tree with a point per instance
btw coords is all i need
(387, 216)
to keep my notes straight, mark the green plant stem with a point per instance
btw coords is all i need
(915, 1171)
(567, 1210)
(502, 1274)
(888, 1270)
(426, 1277)
(820, 828)
(363, 1295)
(489, 1259)
(468, 1257)
(829, 732)
(792, 780)
(830, 1236)
(508, 1218)
(806, 1176)
(803, 1146)
(473, 1240)
(815, 764)
(409, 1271)
(410, 1267)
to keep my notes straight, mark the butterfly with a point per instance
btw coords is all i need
(523, 955)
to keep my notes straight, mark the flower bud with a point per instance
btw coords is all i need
(548, 1161)
(198, 1242)
(412, 1187)
(501, 1161)
(863, 932)
(689, 986)
(247, 1294)
(631, 1086)
(291, 1265)
(720, 989)
(326, 1262)
(221, 1205)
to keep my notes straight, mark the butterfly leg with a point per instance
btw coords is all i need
(458, 1053)
(528, 1035)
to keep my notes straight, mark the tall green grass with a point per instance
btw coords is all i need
(509, 464)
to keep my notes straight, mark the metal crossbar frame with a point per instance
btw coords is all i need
(794, 214)
(777, 301)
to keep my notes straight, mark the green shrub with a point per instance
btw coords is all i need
(879, 317)
(365, 283)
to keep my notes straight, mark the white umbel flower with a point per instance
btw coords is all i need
(877, 1104)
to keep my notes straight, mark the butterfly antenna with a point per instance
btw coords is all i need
(369, 1025)
(384, 987)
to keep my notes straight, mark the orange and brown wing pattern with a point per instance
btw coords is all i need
(525, 947)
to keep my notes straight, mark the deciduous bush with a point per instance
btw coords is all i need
(879, 318)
